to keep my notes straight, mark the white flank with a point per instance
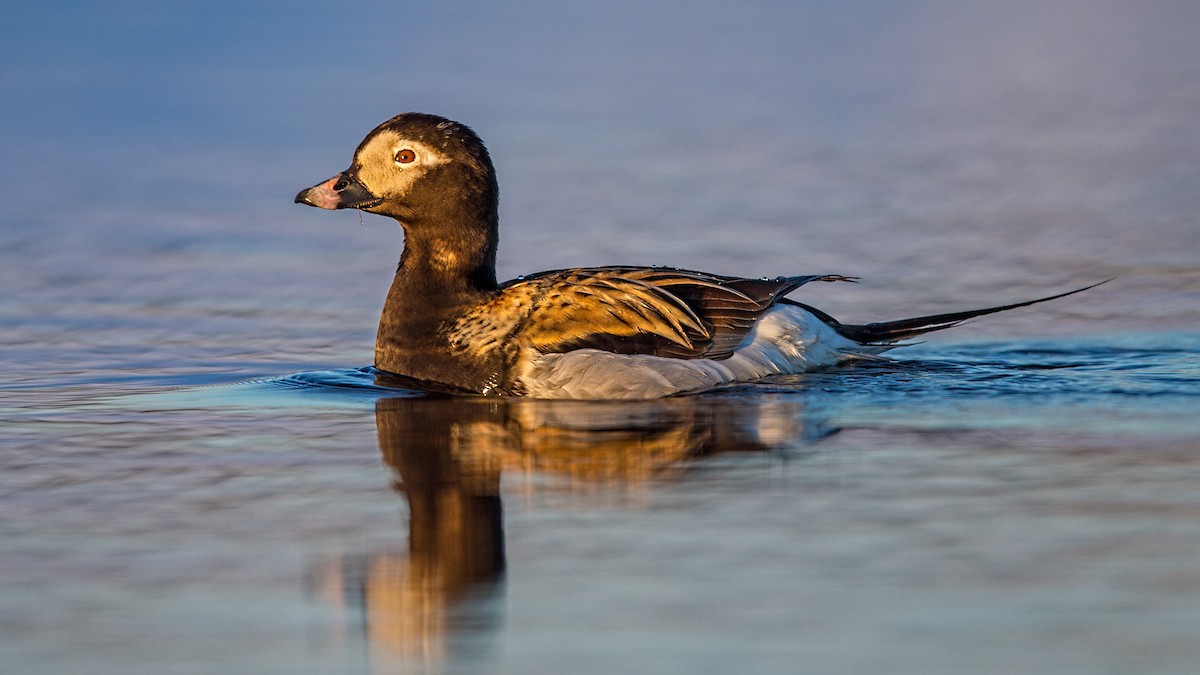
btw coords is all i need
(787, 339)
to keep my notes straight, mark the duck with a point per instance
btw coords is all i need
(616, 332)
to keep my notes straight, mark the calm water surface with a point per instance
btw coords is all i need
(198, 474)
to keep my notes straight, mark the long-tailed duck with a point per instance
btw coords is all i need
(584, 333)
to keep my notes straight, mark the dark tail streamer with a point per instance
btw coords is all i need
(888, 332)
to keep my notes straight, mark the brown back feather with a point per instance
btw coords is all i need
(647, 310)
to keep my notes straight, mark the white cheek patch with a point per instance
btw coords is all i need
(383, 175)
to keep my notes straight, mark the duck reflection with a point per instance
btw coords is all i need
(440, 602)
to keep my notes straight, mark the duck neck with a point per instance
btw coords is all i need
(441, 266)
(444, 265)
(450, 245)
(447, 268)
(439, 278)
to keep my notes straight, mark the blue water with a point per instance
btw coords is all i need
(198, 473)
(1137, 383)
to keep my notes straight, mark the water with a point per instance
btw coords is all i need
(197, 473)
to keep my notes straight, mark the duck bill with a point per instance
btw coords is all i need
(343, 191)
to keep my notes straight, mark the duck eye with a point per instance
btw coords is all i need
(405, 156)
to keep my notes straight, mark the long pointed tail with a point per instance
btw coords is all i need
(888, 332)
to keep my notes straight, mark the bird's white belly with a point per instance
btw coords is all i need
(787, 339)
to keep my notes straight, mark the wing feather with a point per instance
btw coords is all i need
(631, 310)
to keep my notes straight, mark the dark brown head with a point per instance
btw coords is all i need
(413, 167)
(435, 177)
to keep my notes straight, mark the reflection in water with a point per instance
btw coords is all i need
(440, 602)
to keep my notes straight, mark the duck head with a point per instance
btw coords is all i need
(418, 169)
